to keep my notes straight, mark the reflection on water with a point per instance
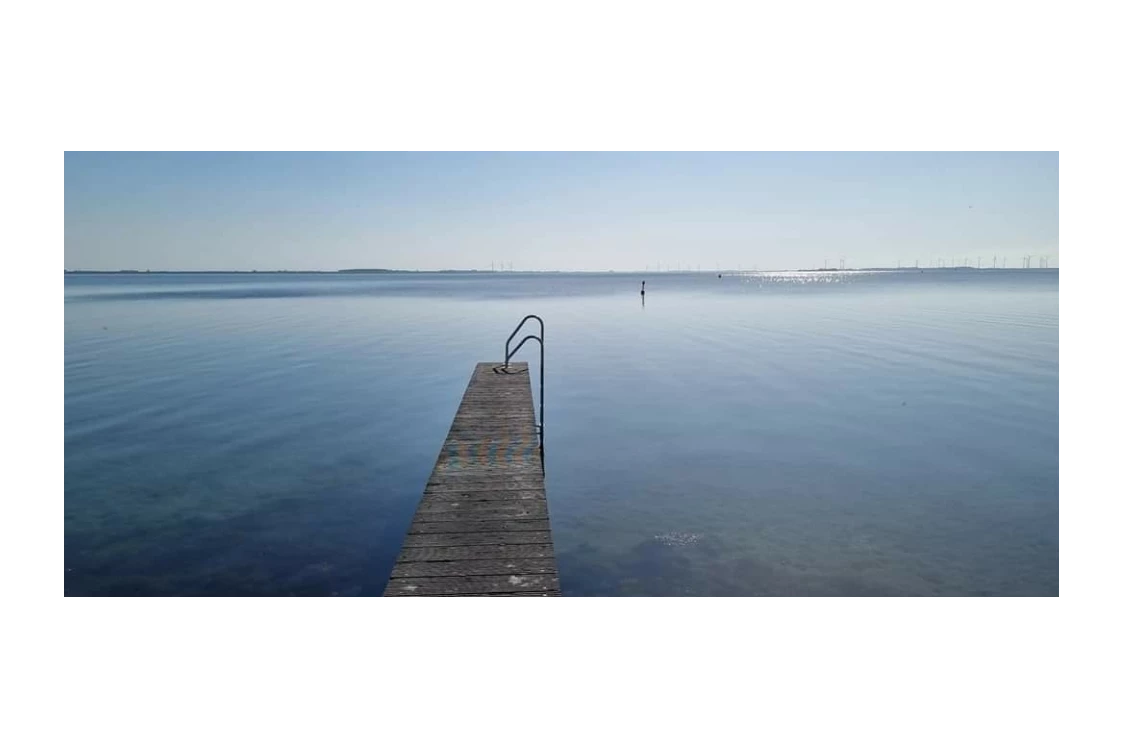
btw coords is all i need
(770, 434)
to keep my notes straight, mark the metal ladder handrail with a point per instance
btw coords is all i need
(507, 353)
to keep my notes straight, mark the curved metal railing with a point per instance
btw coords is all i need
(507, 353)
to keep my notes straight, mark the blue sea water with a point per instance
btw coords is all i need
(859, 433)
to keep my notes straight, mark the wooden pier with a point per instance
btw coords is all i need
(482, 527)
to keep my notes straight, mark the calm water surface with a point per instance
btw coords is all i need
(891, 433)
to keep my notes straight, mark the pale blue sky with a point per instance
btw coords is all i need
(555, 211)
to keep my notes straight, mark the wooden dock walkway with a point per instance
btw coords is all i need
(482, 527)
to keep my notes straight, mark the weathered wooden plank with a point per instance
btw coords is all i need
(485, 495)
(484, 444)
(489, 406)
(482, 455)
(483, 461)
(516, 443)
(552, 593)
(475, 567)
(513, 399)
(489, 418)
(494, 414)
(477, 538)
(510, 397)
(487, 466)
(491, 422)
(441, 483)
(476, 467)
(481, 467)
(462, 510)
(497, 385)
(468, 517)
(427, 525)
(487, 433)
(463, 445)
(518, 478)
(512, 402)
(491, 433)
(502, 407)
(485, 456)
(473, 585)
(484, 427)
(495, 422)
(481, 552)
(438, 491)
(482, 501)
(524, 440)
(513, 366)
(509, 403)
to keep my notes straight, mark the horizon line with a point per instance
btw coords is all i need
(378, 271)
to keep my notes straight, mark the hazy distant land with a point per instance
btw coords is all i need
(386, 271)
(267, 272)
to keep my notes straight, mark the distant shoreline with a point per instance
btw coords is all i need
(352, 271)
(379, 271)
